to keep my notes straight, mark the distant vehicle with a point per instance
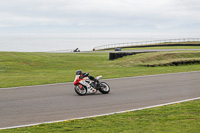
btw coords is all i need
(117, 49)
(76, 50)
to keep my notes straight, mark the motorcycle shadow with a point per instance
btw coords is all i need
(92, 94)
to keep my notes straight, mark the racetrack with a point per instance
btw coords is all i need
(36, 104)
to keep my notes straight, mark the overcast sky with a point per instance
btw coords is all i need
(100, 16)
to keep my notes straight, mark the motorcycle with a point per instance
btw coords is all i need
(91, 86)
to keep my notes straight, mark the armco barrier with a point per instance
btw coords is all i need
(116, 55)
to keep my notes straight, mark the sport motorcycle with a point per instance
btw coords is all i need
(88, 86)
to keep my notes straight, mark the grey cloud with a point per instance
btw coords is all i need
(119, 14)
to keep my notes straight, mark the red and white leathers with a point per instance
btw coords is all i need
(80, 79)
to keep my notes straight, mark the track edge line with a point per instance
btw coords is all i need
(153, 106)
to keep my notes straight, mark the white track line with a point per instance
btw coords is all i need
(28, 125)
(102, 79)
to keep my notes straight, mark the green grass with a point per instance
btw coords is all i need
(20, 69)
(176, 118)
(158, 58)
(23, 69)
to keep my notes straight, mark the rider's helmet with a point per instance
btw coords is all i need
(78, 72)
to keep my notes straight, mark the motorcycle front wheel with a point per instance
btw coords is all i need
(80, 91)
(104, 88)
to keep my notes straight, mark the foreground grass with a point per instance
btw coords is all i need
(176, 118)
(23, 69)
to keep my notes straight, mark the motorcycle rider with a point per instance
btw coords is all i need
(80, 78)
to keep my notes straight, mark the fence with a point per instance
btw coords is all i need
(128, 44)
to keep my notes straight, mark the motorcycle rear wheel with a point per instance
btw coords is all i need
(104, 88)
(80, 91)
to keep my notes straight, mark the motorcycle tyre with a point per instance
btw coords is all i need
(104, 91)
(79, 93)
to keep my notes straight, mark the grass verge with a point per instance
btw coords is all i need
(176, 118)
(173, 58)
(24, 69)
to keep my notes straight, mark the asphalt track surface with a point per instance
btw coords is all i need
(36, 104)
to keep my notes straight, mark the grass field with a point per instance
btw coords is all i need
(160, 59)
(24, 69)
(176, 118)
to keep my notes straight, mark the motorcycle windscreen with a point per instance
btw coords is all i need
(99, 77)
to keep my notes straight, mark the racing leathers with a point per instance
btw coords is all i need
(81, 79)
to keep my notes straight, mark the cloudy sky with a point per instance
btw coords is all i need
(100, 16)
